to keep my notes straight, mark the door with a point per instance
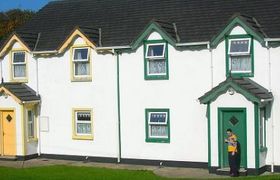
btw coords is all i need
(8, 133)
(235, 119)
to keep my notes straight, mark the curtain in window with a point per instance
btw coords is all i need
(159, 130)
(241, 63)
(83, 128)
(157, 66)
(82, 68)
(19, 70)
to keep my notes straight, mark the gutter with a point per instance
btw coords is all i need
(113, 47)
(193, 43)
(271, 39)
(28, 102)
(45, 52)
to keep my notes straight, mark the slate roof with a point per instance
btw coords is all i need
(21, 91)
(245, 84)
(121, 21)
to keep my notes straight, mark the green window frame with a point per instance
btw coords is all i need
(262, 134)
(148, 59)
(230, 55)
(162, 124)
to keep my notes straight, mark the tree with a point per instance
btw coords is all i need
(12, 19)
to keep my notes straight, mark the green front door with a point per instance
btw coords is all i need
(235, 119)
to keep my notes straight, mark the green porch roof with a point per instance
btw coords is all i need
(245, 86)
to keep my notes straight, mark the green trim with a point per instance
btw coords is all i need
(119, 105)
(257, 140)
(157, 140)
(212, 96)
(237, 21)
(209, 134)
(228, 74)
(155, 77)
(152, 27)
(220, 133)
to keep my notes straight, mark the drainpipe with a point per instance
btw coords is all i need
(119, 108)
(211, 66)
(272, 119)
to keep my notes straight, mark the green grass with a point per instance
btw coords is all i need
(61, 172)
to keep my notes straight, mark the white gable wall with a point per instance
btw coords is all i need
(188, 123)
(59, 95)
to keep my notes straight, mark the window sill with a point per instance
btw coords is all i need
(263, 149)
(157, 140)
(81, 79)
(238, 75)
(32, 140)
(20, 80)
(82, 137)
(156, 77)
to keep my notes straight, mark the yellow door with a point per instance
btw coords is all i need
(8, 133)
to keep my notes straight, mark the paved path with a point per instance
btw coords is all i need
(172, 172)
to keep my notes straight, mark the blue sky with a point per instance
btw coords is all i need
(34, 5)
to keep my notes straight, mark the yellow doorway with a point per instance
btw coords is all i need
(7, 133)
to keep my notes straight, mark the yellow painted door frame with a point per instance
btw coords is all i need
(8, 132)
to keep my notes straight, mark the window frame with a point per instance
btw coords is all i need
(79, 136)
(18, 79)
(157, 139)
(34, 124)
(262, 133)
(228, 40)
(157, 76)
(77, 78)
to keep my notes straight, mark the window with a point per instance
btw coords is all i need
(239, 56)
(157, 125)
(19, 65)
(81, 64)
(82, 124)
(156, 60)
(31, 124)
(263, 128)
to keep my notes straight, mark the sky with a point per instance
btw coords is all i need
(34, 5)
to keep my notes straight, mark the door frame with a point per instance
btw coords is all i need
(220, 132)
(1, 130)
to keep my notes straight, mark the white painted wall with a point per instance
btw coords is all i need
(59, 95)
(188, 125)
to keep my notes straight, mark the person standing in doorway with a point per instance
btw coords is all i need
(232, 152)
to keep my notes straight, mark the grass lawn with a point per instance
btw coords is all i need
(60, 172)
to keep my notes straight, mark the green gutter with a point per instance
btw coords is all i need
(257, 149)
(119, 108)
(209, 135)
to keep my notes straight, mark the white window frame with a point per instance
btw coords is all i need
(236, 54)
(80, 60)
(19, 63)
(31, 123)
(157, 123)
(239, 53)
(155, 57)
(84, 122)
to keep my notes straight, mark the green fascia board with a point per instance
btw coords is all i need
(212, 96)
(153, 26)
(236, 21)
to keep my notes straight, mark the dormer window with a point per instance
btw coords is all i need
(81, 64)
(156, 60)
(239, 56)
(18, 65)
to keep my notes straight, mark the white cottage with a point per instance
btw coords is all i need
(153, 82)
